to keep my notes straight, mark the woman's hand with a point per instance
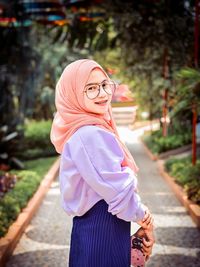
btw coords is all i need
(148, 240)
(147, 221)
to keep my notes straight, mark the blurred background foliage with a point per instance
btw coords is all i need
(146, 44)
(150, 45)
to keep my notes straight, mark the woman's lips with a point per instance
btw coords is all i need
(101, 103)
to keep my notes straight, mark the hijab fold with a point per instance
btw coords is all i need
(72, 113)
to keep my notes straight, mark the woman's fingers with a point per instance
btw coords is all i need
(147, 249)
(148, 220)
(146, 216)
(150, 237)
(147, 245)
(147, 252)
(148, 224)
(147, 258)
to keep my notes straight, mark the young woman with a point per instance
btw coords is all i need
(97, 173)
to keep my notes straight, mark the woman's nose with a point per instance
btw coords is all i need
(102, 92)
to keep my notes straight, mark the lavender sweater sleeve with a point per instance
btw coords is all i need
(98, 157)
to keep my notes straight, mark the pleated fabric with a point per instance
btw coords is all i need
(99, 239)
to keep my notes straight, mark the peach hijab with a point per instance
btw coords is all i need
(72, 113)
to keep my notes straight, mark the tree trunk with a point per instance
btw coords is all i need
(196, 57)
(165, 94)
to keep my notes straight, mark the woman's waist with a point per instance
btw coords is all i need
(79, 204)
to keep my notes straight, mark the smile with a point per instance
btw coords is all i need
(103, 102)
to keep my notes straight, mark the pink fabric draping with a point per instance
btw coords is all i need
(72, 113)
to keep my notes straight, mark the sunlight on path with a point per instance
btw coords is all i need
(130, 137)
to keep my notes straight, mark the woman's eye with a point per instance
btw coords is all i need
(92, 88)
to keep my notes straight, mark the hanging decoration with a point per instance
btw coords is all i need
(86, 14)
(6, 17)
(44, 11)
(20, 13)
(85, 10)
(24, 12)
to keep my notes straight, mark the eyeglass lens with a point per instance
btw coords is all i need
(93, 90)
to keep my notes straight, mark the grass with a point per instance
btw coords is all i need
(40, 166)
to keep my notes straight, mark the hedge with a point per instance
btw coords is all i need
(36, 142)
(158, 144)
(186, 175)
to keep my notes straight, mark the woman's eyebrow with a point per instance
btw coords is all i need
(95, 83)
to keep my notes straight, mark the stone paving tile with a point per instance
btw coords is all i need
(46, 240)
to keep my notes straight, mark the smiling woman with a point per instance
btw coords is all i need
(93, 89)
(97, 172)
(98, 92)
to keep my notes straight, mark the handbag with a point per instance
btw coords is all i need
(137, 256)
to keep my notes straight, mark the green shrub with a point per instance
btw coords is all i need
(27, 183)
(4, 222)
(33, 153)
(193, 191)
(10, 206)
(24, 189)
(36, 141)
(170, 162)
(16, 199)
(158, 144)
(37, 133)
(187, 175)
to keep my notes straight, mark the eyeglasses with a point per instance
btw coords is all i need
(93, 90)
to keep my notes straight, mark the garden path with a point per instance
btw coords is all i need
(46, 240)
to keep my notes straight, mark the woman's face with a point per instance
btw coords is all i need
(100, 104)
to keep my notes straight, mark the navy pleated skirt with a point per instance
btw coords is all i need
(99, 239)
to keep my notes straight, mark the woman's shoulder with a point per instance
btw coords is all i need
(90, 136)
(93, 140)
(91, 132)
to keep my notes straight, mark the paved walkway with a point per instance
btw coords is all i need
(46, 240)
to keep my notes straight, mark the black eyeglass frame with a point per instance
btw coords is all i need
(100, 84)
